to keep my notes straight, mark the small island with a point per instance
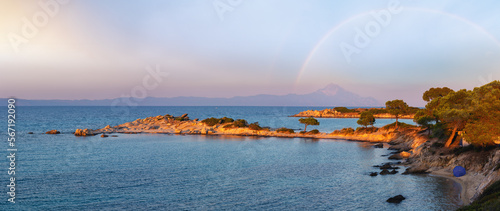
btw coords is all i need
(344, 112)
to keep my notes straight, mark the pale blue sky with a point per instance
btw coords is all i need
(99, 49)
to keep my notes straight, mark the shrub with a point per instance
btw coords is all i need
(315, 131)
(211, 121)
(347, 131)
(344, 110)
(401, 125)
(285, 130)
(224, 120)
(366, 130)
(255, 126)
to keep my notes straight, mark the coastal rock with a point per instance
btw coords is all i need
(30, 132)
(385, 172)
(107, 127)
(84, 132)
(373, 174)
(114, 136)
(395, 157)
(52, 132)
(177, 131)
(378, 145)
(420, 169)
(400, 155)
(104, 136)
(396, 199)
(405, 154)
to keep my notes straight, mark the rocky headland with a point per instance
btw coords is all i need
(350, 113)
(411, 145)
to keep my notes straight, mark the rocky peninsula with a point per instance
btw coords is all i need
(410, 144)
(342, 112)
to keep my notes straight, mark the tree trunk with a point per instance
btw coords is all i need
(397, 122)
(305, 129)
(448, 143)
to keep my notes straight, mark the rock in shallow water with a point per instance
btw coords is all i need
(378, 145)
(52, 132)
(396, 199)
(373, 174)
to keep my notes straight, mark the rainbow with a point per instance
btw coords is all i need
(344, 22)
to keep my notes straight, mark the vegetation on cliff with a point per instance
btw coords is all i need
(473, 113)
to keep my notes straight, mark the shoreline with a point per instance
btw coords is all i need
(463, 185)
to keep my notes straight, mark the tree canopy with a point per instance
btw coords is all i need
(308, 121)
(476, 112)
(366, 118)
(396, 108)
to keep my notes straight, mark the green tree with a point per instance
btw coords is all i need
(434, 93)
(366, 118)
(308, 121)
(423, 119)
(396, 108)
(483, 127)
(454, 110)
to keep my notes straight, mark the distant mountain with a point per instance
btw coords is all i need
(331, 95)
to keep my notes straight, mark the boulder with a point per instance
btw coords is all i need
(107, 127)
(373, 174)
(384, 172)
(104, 136)
(84, 132)
(52, 132)
(405, 154)
(395, 157)
(184, 116)
(378, 145)
(396, 199)
(420, 169)
(177, 131)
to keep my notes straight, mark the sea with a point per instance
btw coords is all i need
(195, 172)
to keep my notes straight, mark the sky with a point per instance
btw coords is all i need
(101, 49)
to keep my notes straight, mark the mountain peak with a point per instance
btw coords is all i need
(331, 89)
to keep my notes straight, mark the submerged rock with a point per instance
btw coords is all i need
(396, 199)
(30, 132)
(52, 132)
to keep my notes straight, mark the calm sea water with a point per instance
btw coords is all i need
(176, 172)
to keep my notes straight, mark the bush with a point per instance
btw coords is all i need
(366, 130)
(255, 126)
(224, 120)
(344, 110)
(211, 121)
(285, 130)
(347, 131)
(401, 125)
(315, 131)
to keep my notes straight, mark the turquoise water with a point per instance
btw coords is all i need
(176, 172)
